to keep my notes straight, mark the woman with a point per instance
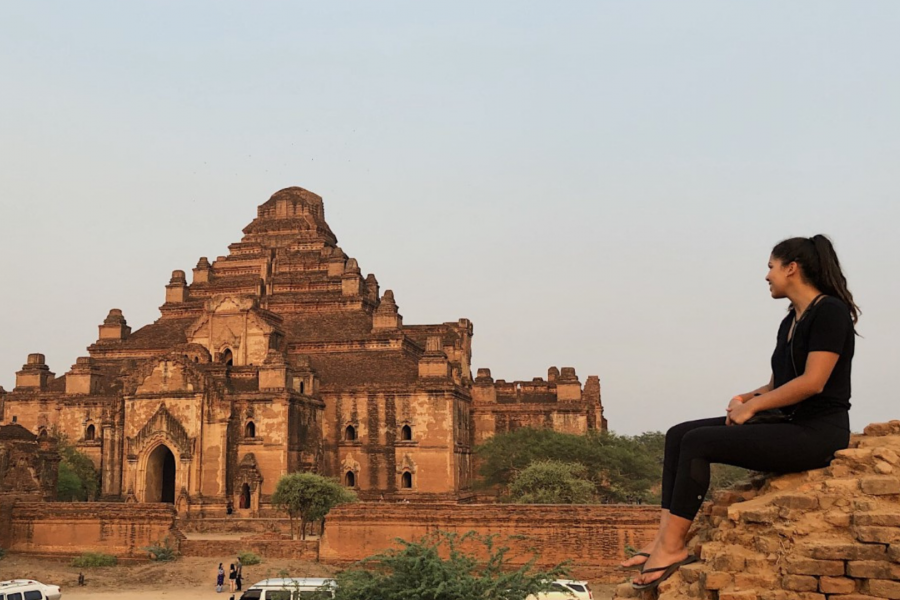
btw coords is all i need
(796, 422)
(232, 576)
(220, 579)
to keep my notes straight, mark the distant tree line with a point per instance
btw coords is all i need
(541, 466)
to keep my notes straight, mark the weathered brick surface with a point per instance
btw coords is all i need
(828, 534)
(808, 566)
(873, 569)
(883, 589)
(800, 583)
(837, 585)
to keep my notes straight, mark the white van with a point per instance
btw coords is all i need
(566, 589)
(28, 589)
(290, 588)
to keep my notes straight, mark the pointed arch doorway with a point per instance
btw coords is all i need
(161, 475)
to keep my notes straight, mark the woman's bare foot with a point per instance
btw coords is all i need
(638, 558)
(659, 557)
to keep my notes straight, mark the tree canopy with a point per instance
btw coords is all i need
(621, 468)
(438, 567)
(78, 479)
(552, 482)
(309, 497)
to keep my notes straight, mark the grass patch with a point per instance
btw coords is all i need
(249, 558)
(95, 559)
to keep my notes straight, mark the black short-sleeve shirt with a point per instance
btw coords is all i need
(826, 326)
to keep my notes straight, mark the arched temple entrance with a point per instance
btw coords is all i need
(161, 476)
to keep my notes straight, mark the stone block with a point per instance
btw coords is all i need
(728, 561)
(837, 585)
(877, 535)
(846, 486)
(890, 590)
(738, 595)
(880, 485)
(715, 580)
(873, 569)
(691, 573)
(893, 552)
(886, 518)
(624, 590)
(797, 501)
(765, 515)
(755, 581)
(853, 454)
(853, 597)
(842, 551)
(809, 566)
(878, 429)
(883, 468)
(887, 455)
(800, 583)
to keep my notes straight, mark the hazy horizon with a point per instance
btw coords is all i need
(593, 184)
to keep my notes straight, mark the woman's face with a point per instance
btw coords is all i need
(778, 277)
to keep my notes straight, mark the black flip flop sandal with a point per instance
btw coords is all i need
(668, 571)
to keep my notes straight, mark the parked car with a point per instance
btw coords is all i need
(28, 589)
(290, 588)
(566, 589)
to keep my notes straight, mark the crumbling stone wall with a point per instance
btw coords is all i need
(832, 533)
(592, 537)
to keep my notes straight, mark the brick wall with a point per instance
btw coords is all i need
(291, 549)
(592, 537)
(67, 529)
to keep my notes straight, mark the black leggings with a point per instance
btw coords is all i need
(778, 448)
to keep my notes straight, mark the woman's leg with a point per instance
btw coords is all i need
(670, 467)
(780, 447)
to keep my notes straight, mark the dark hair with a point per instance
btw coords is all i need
(819, 266)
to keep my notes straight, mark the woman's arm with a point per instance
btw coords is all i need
(759, 391)
(819, 366)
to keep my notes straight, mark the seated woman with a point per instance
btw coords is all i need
(796, 422)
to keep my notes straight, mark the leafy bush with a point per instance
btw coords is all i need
(162, 551)
(95, 559)
(446, 566)
(249, 558)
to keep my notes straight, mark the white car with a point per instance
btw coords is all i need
(28, 589)
(566, 589)
(289, 588)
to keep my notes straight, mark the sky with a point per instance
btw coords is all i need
(594, 184)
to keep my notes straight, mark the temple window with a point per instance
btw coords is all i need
(350, 433)
(406, 433)
(90, 433)
(406, 480)
(250, 430)
(350, 479)
(227, 358)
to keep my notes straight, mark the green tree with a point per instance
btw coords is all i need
(622, 469)
(438, 568)
(552, 482)
(309, 497)
(78, 478)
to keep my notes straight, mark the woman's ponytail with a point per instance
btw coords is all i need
(831, 279)
(820, 266)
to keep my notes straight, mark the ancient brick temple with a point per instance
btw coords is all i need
(282, 357)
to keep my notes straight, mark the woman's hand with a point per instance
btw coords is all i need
(739, 414)
(735, 401)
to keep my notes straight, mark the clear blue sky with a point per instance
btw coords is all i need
(594, 184)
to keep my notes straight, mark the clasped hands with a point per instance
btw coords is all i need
(738, 412)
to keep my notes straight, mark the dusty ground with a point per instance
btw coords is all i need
(150, 581)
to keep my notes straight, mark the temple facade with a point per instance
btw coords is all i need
(283, 357)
